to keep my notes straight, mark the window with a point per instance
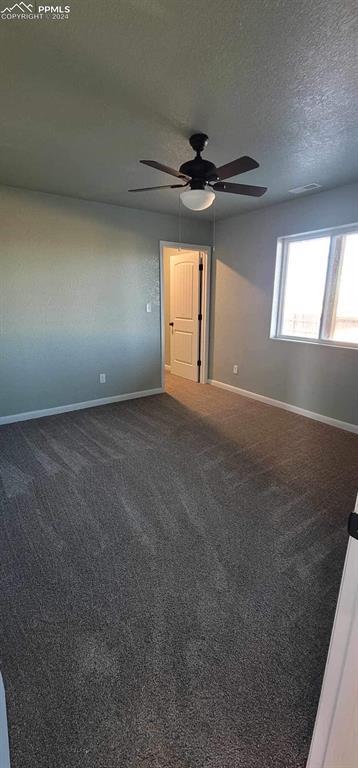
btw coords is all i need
(316, 288)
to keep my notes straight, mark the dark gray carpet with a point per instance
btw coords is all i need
(169, 573)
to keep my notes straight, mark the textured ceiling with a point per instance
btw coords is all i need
(83, 99)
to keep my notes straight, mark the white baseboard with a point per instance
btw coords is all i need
(167, 367)
(287, 406)
(77, 406)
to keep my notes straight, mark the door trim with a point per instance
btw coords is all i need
(205, 250)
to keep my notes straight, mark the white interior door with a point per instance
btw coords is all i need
(184, 310)
(335, 736)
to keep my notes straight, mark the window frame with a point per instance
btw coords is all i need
(335, 234)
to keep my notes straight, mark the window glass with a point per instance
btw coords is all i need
(345, 314)
(304, 286)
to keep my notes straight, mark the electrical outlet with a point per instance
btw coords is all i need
(235, 369)
(149, 307)
(102, 378)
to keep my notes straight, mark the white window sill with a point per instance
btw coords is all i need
(316, 342)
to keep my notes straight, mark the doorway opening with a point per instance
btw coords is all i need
(185, 297)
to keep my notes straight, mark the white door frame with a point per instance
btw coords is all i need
(204, 345)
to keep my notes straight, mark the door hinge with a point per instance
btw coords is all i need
(353, 525)
(201, 267)
(199, 363)
(200, 317)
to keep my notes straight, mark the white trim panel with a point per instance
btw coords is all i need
(335, 736)
(287, 406)
(78, 406)
(4, 739)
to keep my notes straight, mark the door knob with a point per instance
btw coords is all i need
(172, 324)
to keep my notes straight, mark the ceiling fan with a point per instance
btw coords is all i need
(204, 179)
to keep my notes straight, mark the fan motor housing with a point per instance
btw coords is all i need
(197, 184)
(200, 169)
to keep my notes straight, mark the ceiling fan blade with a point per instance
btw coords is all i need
(165, 186)
(165, 169)
(239, 189)
(241, 165)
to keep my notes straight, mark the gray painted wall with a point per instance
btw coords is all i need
(320, 379)
(75, 278)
